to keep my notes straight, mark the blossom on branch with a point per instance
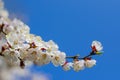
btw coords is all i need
(96, 46)
(19, 47)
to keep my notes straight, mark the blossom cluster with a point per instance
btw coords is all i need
(87, 61)
(18, 47)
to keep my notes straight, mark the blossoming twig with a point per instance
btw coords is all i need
(18, 47)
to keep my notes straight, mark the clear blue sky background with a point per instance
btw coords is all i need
(73, 25)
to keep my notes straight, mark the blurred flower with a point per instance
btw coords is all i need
(3, 12)
(21, 74)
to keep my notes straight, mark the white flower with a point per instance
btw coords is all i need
(24, 54)
(43, 59)
(97, 45)
(90, 63)
(78, 65)
(31, 54)
(59, 58)
(30, 38)
(3, 12)
(7, 29)
(12, 57)
(51, 46)
(13, 39)
(67, 66)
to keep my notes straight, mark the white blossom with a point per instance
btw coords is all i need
(67, 66)
(90, 63)
(3, 12)
(78, 65)
(43, 59)
(97, 45)
(59, 58)
(11, 57)
(51, 46)
(7, 29)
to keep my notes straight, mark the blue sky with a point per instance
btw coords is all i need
(73, 25)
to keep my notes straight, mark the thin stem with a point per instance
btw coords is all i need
(73, 57)
(77, 56)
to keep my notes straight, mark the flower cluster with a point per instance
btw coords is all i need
(18, 47)
(79, 64)
(87, 61)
